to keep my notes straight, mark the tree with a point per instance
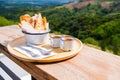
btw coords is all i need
(82, 0)
(4, 21)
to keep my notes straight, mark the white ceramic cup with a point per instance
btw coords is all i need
(55, 40)
(67, 43)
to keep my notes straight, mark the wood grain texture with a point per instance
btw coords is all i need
(90, 64)
(25, 65)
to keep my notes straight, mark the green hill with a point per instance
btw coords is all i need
(4, 22)
(93, 23)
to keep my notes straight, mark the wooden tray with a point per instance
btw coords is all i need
(59, 56)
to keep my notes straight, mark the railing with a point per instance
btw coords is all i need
(89, 64)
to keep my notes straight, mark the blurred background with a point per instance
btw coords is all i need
(95, 22)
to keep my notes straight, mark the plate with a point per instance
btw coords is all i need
(59, 54)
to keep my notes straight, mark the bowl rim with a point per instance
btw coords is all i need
(36, 33)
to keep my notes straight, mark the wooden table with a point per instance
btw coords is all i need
(89, 64)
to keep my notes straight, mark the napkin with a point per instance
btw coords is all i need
(26, 51)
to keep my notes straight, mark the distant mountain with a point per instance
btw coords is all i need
(78, 4)
(22, 1)
(48, 3)
(33, 3)
(104, 4)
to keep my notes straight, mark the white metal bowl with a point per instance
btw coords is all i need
(36, 38)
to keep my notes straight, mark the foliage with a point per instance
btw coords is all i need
(92, 24)
(90, 40)
(108, 35)
(4, 21)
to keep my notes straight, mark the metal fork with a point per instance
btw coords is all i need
(43, 51)
(30, 52)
